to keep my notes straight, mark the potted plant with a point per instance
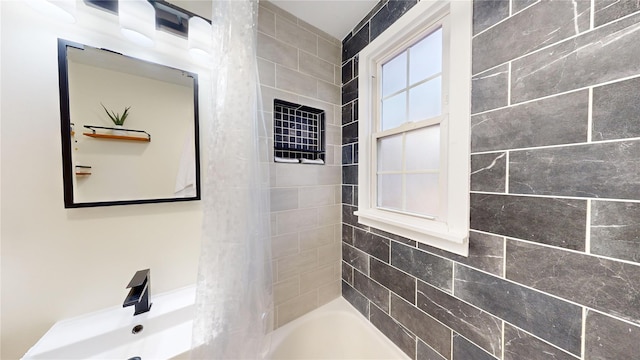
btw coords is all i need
(118, 119)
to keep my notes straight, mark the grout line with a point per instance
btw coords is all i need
(587, 239)
(592, 15)
(503, 337)
(452, 332)
(510, 7)
(555, 196)
(453, 278)
(583, 333)
(506, 174)
(557, 146)
(590, 117)
(504, 257)
(609, 82)
(509, 84)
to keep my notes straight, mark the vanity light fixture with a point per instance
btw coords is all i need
(200, 37)
(63, 10)
(138, 21)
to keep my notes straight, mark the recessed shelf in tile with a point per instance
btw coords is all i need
(298, 131)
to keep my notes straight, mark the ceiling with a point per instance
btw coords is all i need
(337, 18)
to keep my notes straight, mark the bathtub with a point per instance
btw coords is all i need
(333, 331)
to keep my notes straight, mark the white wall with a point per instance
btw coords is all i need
(58, 263)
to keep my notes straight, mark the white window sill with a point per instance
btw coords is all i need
(429, 232)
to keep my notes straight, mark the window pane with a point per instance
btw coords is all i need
(426, 57)
(425, 100)
(390, 153)
(423, 149)
(390, 191)
(422, 194)
(394, 111)
(394, 75)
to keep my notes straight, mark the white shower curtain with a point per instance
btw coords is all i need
(234, 302)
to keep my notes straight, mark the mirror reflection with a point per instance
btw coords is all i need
(129, 129)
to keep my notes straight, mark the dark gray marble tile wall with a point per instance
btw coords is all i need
(476, 325)
(609, 10)
(485, 253)
(464, 349)
(604, 54)
(552, 221)
(550, 318)
(490, 89)
(615, 229)
(521, 345)
(425, 352)
(562, 119)
(544, 23)
(389, 326)
(609, 338)
(488, 172)
(555, 194)
(616, 110)
(377, 293)
(488, 13)
(434, 333)
(422, 265)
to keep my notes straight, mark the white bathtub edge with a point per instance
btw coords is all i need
(340, 305)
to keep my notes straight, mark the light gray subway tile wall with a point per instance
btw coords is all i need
(297, 63)
(554, 260)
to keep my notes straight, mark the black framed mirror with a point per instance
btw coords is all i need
(153, 156)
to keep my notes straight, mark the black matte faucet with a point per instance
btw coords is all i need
(139, 293)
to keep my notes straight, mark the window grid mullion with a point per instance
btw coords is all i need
(411, 172)
(403, 193)
(411, 86)
(404, 175)
(407, 127)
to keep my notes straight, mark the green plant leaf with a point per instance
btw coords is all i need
(116, 117)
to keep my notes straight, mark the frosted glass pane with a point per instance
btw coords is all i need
(390, 191)
(394, 111)
(390, 153)
(394, 75)
(426, 57)
(423, 148)
(422, 194)
(425, 100)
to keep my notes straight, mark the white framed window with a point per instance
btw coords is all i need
(414, 111)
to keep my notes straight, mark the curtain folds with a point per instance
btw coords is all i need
(234, 302)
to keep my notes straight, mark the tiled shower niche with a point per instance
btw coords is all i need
(298, 131)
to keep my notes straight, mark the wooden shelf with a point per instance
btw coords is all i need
(117, 137)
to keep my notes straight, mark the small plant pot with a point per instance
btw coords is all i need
(119, 131)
